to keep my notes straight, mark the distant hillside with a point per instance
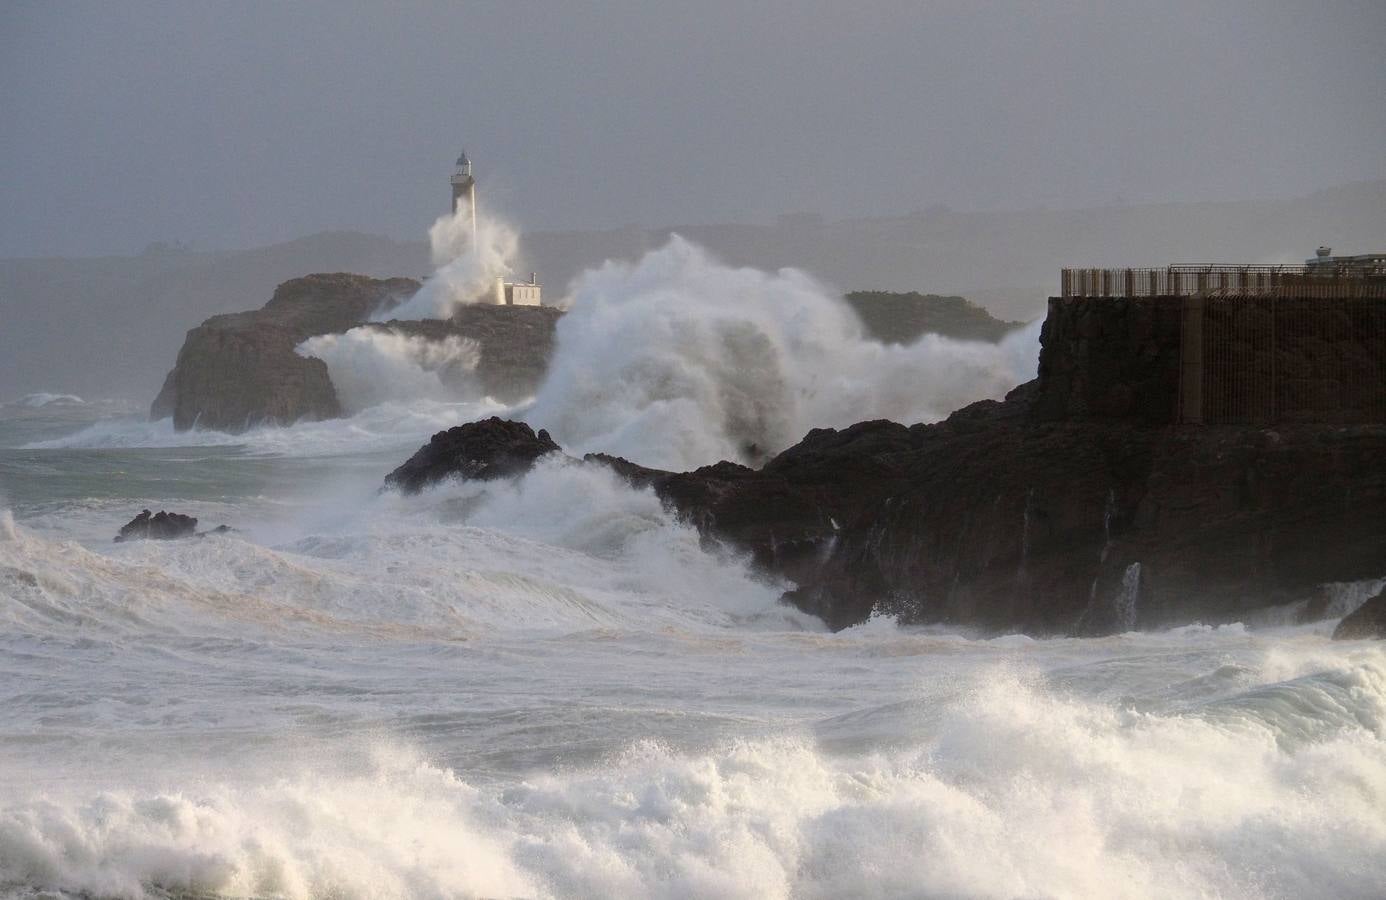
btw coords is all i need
(893, 318)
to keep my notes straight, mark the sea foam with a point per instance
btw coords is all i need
(1015, 791)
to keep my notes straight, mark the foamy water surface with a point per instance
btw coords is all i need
(548, 688)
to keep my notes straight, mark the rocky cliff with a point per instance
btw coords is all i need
(1073, 507)
(990, 519)
(240, 370)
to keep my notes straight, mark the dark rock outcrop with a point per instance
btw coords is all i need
(494, 448)
(1076, 506)
(160, 526)
(240, 370)
(993, 520)
(1367, 621)
(164, 526)
(895, 318)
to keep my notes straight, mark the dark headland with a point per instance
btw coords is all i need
(1132, 484)
(1194, 457)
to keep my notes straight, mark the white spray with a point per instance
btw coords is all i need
(371, 366)
(467, 268)
(679, 360)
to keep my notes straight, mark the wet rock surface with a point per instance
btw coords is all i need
(164, 526)
(1367, 621)
(493, 448)
(160, 526)
(995, 520)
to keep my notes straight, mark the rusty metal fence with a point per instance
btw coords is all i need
(1328, 282)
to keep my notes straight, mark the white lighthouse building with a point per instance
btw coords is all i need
(507, 293)
(464, 189)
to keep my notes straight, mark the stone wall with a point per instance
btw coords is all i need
(1110, 358)
(1255, 360)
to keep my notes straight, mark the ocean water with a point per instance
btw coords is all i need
(548, 688)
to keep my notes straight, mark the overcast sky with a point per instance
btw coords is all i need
(231, 125)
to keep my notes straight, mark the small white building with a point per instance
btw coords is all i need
(1366, 265)
(519, 293)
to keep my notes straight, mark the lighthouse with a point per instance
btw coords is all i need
(464, 189)
(506, 293)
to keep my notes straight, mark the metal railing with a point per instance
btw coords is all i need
(1224, 280)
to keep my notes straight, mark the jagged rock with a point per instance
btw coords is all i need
(160, 526)
(993, 520)
(1367, 621)
(240, 370)
(164, 526)
(494, 448)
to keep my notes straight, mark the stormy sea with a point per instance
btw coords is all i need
(549, 686)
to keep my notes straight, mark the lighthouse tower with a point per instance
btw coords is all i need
(507, 293)
(464, 189)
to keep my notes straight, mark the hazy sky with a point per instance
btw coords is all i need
(231, 125)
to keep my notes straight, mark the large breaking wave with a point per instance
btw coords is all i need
(676, 361)
(679, 360)
(1013, 787)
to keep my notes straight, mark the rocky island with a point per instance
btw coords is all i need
(240, 370)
